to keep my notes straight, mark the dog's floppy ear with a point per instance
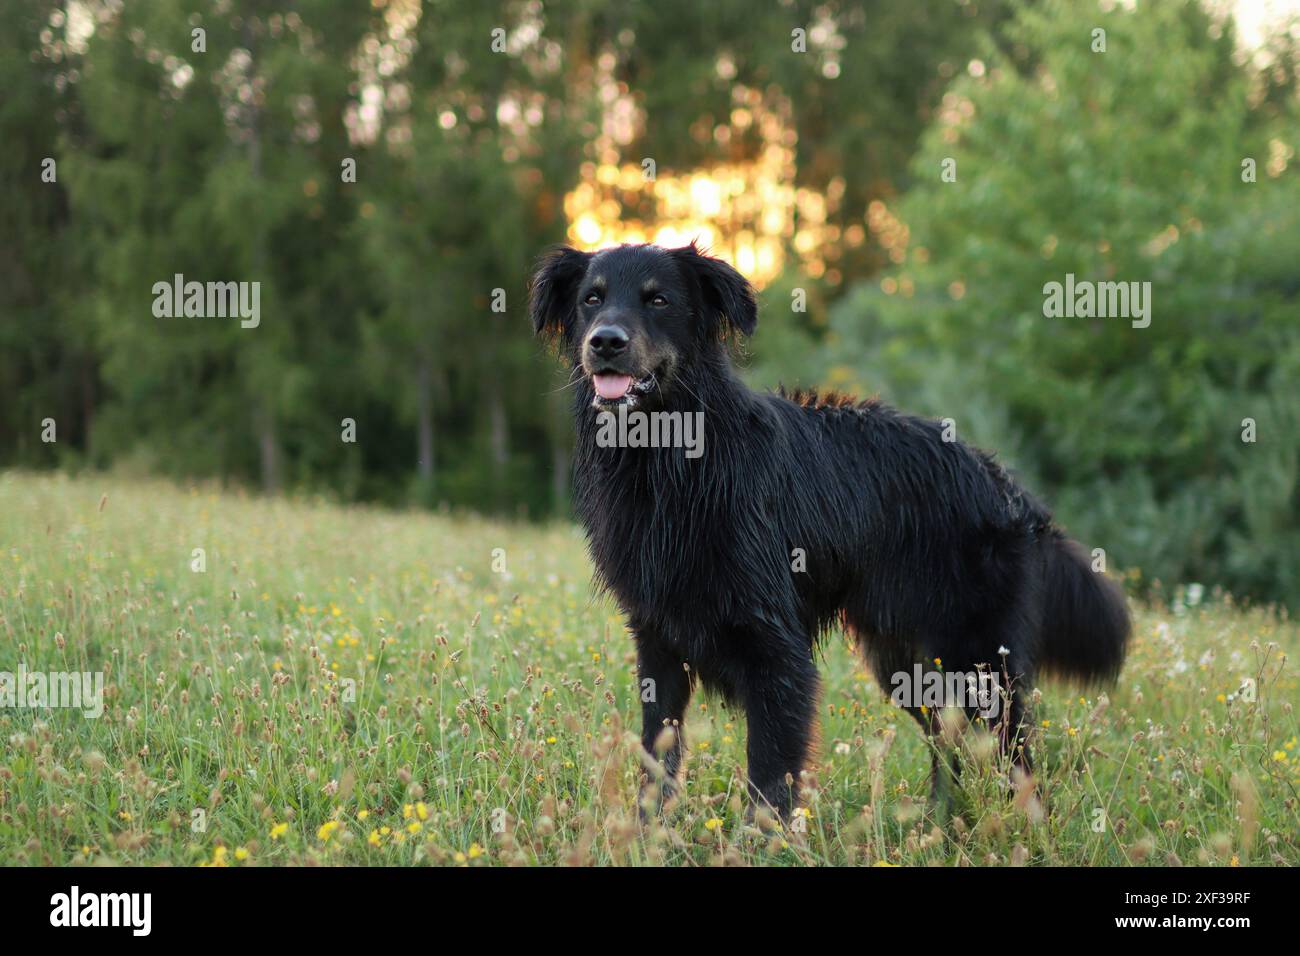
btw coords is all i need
(727, 295)
(553, 291)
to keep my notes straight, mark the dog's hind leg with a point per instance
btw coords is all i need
(665, 688)
(945, 779)
(945, 765)
(892, 662)
(1013, 734)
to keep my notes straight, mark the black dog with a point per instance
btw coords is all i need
(802, 513)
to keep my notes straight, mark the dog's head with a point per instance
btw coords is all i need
(637, 318)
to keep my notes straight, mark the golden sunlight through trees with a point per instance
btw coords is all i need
(748, 211)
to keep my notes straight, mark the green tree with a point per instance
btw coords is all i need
(47, 365)
(1122, 165)
(216, 155)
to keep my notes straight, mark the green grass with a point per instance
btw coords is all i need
(493, 718)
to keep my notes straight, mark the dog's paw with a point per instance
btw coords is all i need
(655, 798)
(771, 807)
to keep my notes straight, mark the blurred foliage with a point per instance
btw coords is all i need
(377, 296)
(1117, 166)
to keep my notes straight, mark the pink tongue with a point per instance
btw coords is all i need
(610, 387)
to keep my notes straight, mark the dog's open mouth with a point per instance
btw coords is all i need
(616, 388)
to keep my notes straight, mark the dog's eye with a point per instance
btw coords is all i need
(659, 301)
(592, 299)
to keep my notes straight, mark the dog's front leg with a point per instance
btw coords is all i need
(665, 688)
(780, 702)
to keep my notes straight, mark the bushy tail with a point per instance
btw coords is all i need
(1085, 616)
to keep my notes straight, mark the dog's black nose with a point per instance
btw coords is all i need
(608, 341)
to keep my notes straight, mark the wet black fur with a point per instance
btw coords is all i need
(922, 548)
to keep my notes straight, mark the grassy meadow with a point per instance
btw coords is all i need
(343, 685)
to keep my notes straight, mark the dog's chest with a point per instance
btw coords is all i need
(657, 540)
